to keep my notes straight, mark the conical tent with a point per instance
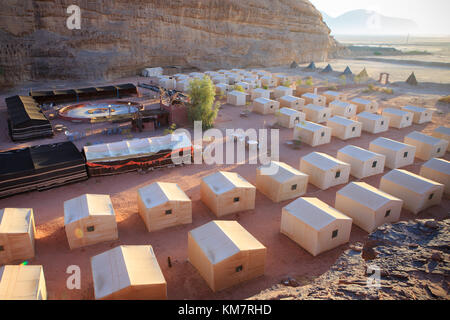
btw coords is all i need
(328, 68)
(294, 65)
(311, 66)
(363, 74)
(412, 80)
(347, 71)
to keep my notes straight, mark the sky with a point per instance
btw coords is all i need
(432, 16)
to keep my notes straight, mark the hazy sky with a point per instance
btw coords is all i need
(432, 16)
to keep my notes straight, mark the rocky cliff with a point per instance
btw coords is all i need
(120, 37)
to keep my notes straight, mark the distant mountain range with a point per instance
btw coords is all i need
(368, 23)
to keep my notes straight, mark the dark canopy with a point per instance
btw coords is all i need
(328, 68)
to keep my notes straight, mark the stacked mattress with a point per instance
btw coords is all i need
(40, 167)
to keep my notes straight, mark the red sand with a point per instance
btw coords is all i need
(284, 257)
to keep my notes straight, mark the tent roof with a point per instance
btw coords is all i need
(314, 212)
(15, 220)
(328, 68)
(323, 161)
(87, 205)
(224, 181)
(341, 104)
(290, 98)
(367, 195)
(22, 109)
(410, 180)
(347, 71)
(441, 165)
(86, 90)
(261, 90)
(236, 93)
(310, 95)
(419, 136)
(106, 88)
(414, 108)
(282, 88)
(388, 143)
(312, 126)
(361, 101)
(284, 172)
(332, 93)
(263, 100)
(159, 193)
(125, 266)
(125, 86)
(412, 79)
(294, 65)
(358, 152)
(19, 282)
(395, 111)
(137, 147)
(342, 120)
(363, 73)
(369, 115)
(220, 240)
(311, 66)
(289, 111)
(444, 130)
(314, 107)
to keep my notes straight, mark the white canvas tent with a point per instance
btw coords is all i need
(260, 93)
(282, 91)
(343, 109)
(344, 128)
(316, 113)
(314, 225)
(398, 118)
(365, 105)
(279, 181)
(162, 205)
(222, 89)
(369, 207)
(312, 133)
(17, 232)
(397, 154)
(265, 106)
(236, 98)
(128, 273)
(363, 163)
(288, 117)
(268, 81)
(312, 98)
(417, 193)
(225, 254)
(420, 115)
(437, 170)
(373, 122)
(333, 96)
(152, 72)
(22, 282)
(227, 192)
(324, 171)
(442, 133)
(427, 147)
(292, 102)
(89, 219)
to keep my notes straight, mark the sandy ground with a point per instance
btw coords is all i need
(284, 257)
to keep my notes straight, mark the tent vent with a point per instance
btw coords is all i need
(169, 211)
(387, 214)
(294, 187)
(236, 199)
(382, 123)
(353, 129)
(374, 164)
(338, 174)
(431, 196)
(90, 229)
(2, 248)
(405, 155)
(438, 150)
(322, 134)
(239, 268)
(334, 234)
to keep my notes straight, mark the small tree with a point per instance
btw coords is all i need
(309, 82)
(238, 88)
(170, 129)
(299, 82)
(202, 106)
(286, 83)
(265, 87)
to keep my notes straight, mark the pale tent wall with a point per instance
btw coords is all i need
(437, 170)
(367, 206)
(228, 193)
(265, 106)
(162, 205)
(365, 105)
(417, 193)
(324, 171)
(311, 223)
(292, 102)
(260, 93)
(89, 219)
(398, 118)
(286, 183)
(268, 81)
(420, 115)
(331, 96)
(281, 78)
(312, 98)
(312, 133)
(344, 128)
(442, 133)
(427, 147)
(17, 232)
(231, 252)
(288, 118)
(129, 273)
(363, 163)
(343, 109)
(397, 154)
(22, 282)
(373, 123)
(317, 113)
(282, 91)
(236, 98)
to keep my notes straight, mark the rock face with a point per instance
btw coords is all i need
(413, 261)
(119, 38)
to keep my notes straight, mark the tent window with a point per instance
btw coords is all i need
(90, 229)
(338, 174)
(353, 129)
(239, 268)
(334, 234)
(294, 187)
(324, 115)
(2, 248)
(322, 134)
(431, 196)
(374, 164)
(388, 213)
(169, 211)
(382, 122)
(405, 155)
(438, 150)
(407, 118)
(236, 199)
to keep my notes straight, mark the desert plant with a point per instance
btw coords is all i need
(309, 82)
(299, 82)
(286, 83)
(445, 99)
(371, 87)
(388, 90)
(357, 79)
(265, 87)
(170, 129)
(202, 106)
(238, 88)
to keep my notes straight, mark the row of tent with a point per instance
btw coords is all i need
(75, 95)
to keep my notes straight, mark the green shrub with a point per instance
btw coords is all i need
(309, 82)
(238, 88)
(299, 82)
(201, 106)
